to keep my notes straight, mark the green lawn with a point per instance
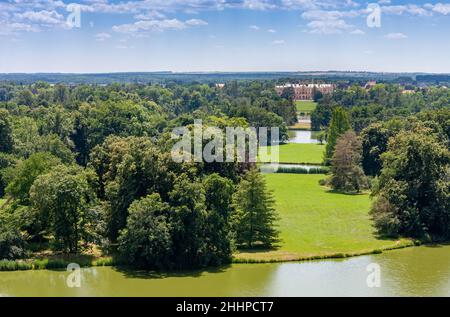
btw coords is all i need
(305, 106)
(296, 153)
(317, 222)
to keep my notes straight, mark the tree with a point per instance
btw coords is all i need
(254, 217)
(218, 193)
(346, 171)
(7, 162)
(412, 195)
(374, 143)
(338, 126)
(12, 242)
(65, 196)
(26, 172)
(6, 138)
(146, 240)
(321, 137)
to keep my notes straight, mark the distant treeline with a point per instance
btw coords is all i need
(168, 77)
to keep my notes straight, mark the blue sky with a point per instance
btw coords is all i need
(224, 35)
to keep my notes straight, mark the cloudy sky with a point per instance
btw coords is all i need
(224, 35)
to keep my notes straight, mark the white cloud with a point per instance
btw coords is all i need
(439, 8)
(150, 15)
(259, 4)
(271, 31)
(254, 27)
(395, 36)
(102, 36)
(328, 26)
(13, 28)
(145, 26)
(278, 42)
(357, 32)
(196, 22)
(41, 17)
(405, 9)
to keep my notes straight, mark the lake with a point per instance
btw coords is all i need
(419, 271)
(303, 136)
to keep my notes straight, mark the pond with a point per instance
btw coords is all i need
(419, 271)
(303, 136)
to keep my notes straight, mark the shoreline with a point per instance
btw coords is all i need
(61, 263)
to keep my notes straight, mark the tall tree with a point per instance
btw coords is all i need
(413, 190)
(346, 171)
(6, 136)
(146, 240)
(374, 143)
(66, 196)
(254, 217)
(338, 126)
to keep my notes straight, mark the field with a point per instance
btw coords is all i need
(305, 106)
(318, 223)
(299, 153)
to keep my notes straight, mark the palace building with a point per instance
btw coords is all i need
(306, 91)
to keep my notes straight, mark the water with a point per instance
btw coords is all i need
(302, 136)
(273, 167)
(421, 271)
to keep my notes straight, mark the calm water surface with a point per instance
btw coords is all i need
(421, 271)
(301, 136)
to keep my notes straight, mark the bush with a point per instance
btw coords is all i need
(12, 245)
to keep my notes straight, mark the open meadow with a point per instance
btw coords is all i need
(315, 222)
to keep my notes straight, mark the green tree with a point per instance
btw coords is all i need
(374, 143)
(219, 192)
(6, 137)
(254, 218)
(338, 126)
(146, 240)
(65, 195)
(346, 171)
(26, 172)
(412, 196)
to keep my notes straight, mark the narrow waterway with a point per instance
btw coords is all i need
(303, 136)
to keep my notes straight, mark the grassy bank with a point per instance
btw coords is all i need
(54, 262)
(307, 106)
(316, 223)
(295, 153)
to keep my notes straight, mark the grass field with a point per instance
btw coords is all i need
(318, 223)
(300, 153)
(305, 106)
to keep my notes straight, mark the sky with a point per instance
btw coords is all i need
(92, 36)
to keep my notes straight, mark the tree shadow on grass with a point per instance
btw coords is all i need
(260, 248)
(331, 191)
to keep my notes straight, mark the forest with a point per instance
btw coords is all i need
(87, 168)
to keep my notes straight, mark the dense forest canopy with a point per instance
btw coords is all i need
(89, 166)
